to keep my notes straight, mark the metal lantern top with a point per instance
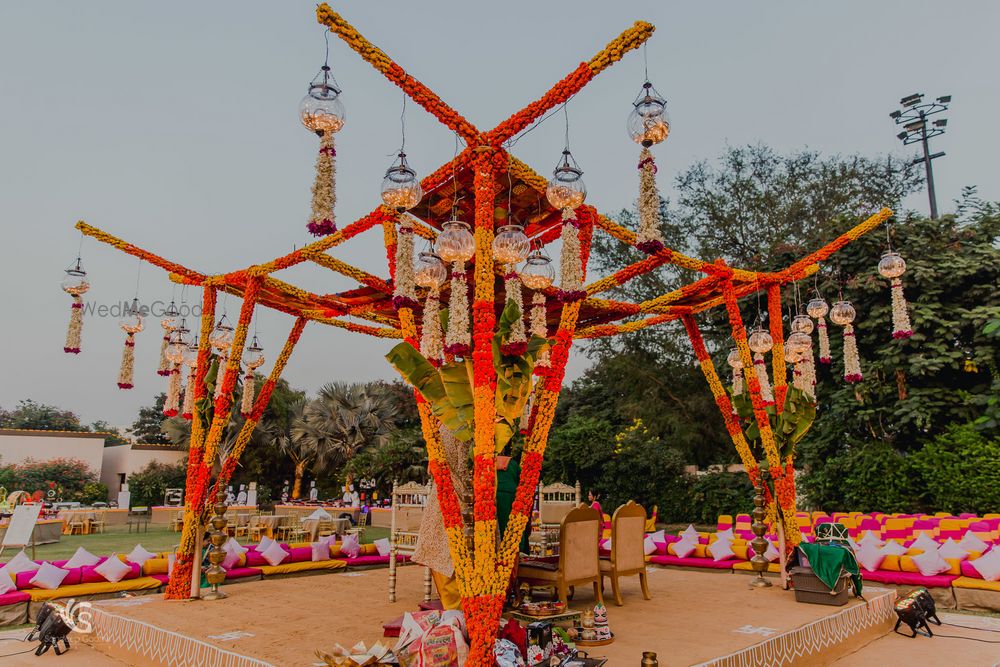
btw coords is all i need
(734, 359)
(566, 189)
(455, 243)
(401, 188)
(760, 341)
(131, 321)
(647, 123)
(817, 308)
(511, 245)
(430, 271)
(538, 272)
(75, 282)
(842, 313)
(802, 323)
(892, 265)
(169, 319)
(221, 337)
(253, 356)
(321, 110)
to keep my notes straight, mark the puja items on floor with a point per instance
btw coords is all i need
(539, 642)
(432, 639)
(358, 655)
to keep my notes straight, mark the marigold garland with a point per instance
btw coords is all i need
(649, 238)
(901, 327)
(778, 345)
(322, 221)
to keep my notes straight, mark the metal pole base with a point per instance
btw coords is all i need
(760, 582)
(217, 594)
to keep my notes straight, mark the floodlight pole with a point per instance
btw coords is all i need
(913, 117)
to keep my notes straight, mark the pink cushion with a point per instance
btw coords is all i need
(909, 578)
(692, 562)
(238, 572)
(162, 578)
(299, 555)
(13, 597)
(375, 560)
(254, 559)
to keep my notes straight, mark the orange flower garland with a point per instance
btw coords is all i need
(778, 349)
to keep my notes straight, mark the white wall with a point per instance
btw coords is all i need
(126, 459)
(18, 446)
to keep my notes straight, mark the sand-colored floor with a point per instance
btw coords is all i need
(693, 616)
(894, 649)
(12, 654)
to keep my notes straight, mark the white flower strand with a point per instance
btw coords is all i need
(458, 340)
(539, 327)
(737, 382)
(852, 361)
(126, 371)
(322, 221)
(901, 327)
(570, 263)
(760, 366)
(188, 410)
(172, 405)
(404, 295)
(512, 289)
(223, 362)
(165, 365)
(431, 337)
(74, 333)
(648, 239)
(824, 341)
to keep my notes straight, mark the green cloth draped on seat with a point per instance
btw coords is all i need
(828, 561)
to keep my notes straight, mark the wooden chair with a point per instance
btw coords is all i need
(578, 557)
(98, 523)
(408, 503)
(177, 523)
(242, 526)
(554, 502)
(324, 528)
(77, 523)
(257, 528)
(627, 556)
(363, 519)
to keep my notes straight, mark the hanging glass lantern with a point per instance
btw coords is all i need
(169, 319)
(538, 272)
(566, 189)
(892, 265)
(401, 188)
(430, 271)
(221, 337)
(75, 284)
(253, 357)
(802, 323)
(792, 356)
(455, 243)
(760, 341)
(177, 349)
(131, 317)
(647, 123)
(799, 342)
(817, 308)
(734, 360)
(191, 359)
(511, 245)
(75, 281)
(842, 313)
(321, 110)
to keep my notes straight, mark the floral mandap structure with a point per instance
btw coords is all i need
(483, 364)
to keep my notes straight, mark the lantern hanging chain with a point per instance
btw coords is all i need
(454, 181)
(326, 56)
(888, 237)
(645, 62)
(402, 127)
(509, 143)
(566, 116)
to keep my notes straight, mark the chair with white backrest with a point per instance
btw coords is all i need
(578, 557)
(554, 502)
(408, 503)
(627, 555)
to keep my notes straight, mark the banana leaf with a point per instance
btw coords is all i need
(426, 379)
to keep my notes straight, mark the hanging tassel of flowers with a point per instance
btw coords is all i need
(322, 221)
(817, 309)
(539, 328)
(538, 275)
(761, 342)
(169, 325)
(736, 364)
(526, 413)
(431, 336)
(322, 112)
(892, 266)
(253, 359)
(191, 361)
(404, 295)
(171, 407)
(223, 360)
(843, 314)
(566, 192)
(517, 342)
(131, 324)
(75, 284)
(649, 239)
(458, 339)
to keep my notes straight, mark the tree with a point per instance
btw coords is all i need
(31, 415)
(68, 477)
(402, 459)
(114, 437)
(147, 428)
(148, 486)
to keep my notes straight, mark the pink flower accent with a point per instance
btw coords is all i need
(901, 334)
(323, 227)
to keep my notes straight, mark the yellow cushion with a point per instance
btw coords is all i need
(906, 564)
(956, 566)
(981, 584)
(700, 550)
(79, 590)
(296, 545)
(288, 568)
(155, 566)
(369, 550)
(747, 565)
(890, 564)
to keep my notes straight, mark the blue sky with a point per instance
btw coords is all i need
(174, 126)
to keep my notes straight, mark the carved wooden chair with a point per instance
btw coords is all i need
(627, 556)
(578, 561)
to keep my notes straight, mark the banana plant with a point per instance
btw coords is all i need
(789, 427)
(449, 389)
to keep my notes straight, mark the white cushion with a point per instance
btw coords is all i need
(924, 542)
(6, 581)
(382, 546)
(772, 553)
(659, 537)
(892, 548)
(320, 551)
(930, 563)
(648, 546)
(231, 560)
(988, 565)
(870, 557)
(274, 554)
(49, 576)
(139, 555)
(328, 539)
(265, 542)
(20, 563)
(351, 546)
(232, 546)
(854, 545)
(170, 563)
(726, 534)
(971, 542)
(320, 514)
(870, 539)
(691, 534)
(605, 544)
(721, 550)
(80, 558)
(684, 548)
(952, 549)
(113, 569)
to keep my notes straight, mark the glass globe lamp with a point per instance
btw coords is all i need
(430, 271)
(792, 356)
(455, 243)
(221, 337)
(842, 313)
(191, 360)
(131, 318)
(892, 265)
(798, 342)
(169, 319)
(817, 308)
(511, 245)
(321, 110)
(538, 272)
(253, 356)
(760, 341)
(566, 189)
(75, 282)
(177, 348)
(647, 123)
(802, 323)
(401, 188)
(734, 359)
